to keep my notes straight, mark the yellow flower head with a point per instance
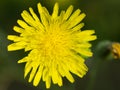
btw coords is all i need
(116, 50)
(56, 43)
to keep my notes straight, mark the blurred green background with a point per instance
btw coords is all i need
(102, 15)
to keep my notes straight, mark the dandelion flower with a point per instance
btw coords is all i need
(57, 46)
(116, 50)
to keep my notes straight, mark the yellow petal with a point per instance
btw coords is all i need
(28, 18)
(48, 82)
(14, 38)
(38, 76)
(22, 24)
(55, 10)
(18, 29)
(74, 15)
(34, 15)
(16, 46)
(76, 21)
(28, 67)
(42, 15)
(68, 12)
(33, 72)
(78, 27)
(25, 59)
(84, 52)
(65, 72)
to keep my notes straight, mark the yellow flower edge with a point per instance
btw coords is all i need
(56, 43)
(115, 50)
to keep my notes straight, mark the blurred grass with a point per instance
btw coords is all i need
(102, 15)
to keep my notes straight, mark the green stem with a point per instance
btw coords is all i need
(93, 74)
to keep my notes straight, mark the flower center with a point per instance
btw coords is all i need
(55, 41)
